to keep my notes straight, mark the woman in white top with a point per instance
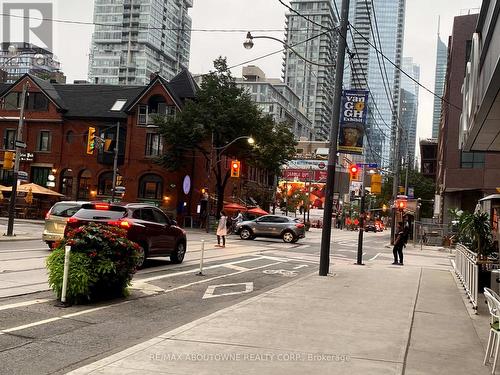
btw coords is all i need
(222, 229)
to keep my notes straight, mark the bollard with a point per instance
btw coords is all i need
(67, 251)
(201, 259)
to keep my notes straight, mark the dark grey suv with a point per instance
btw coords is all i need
(287, 228)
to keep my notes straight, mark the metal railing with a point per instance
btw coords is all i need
(467, 270)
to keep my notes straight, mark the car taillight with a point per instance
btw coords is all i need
(101, 206)
(72, 220)
(124, 224)
(299, 225)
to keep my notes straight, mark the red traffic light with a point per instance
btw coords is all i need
(235, 168)
(354, 169)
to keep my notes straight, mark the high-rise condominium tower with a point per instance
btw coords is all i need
(381, 24)
(312, 83)
(136, 38)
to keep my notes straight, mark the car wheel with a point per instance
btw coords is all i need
(142, 256)
(246, 234)
(288, 237)
(50, 244)
(178, 255)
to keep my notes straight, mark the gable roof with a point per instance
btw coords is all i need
(95, 101)
(45, 86)
(183, 85)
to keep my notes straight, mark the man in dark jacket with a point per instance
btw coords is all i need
(399, 242)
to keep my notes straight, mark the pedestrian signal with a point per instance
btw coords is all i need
(235, 168)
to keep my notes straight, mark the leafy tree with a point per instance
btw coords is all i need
(221, 113)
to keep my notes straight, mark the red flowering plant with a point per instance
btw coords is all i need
(102, 263)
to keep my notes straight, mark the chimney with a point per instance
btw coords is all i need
(153, 76)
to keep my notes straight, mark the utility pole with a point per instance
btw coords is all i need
(209, 179)
(395, 181)
(19, 138)
(115, 161)
(361, 218)
(324, 261)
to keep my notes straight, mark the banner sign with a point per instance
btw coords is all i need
(305, 175)
(353, 116)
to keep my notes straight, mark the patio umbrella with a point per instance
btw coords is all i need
(234, 207)
(257, 211)
(35, 189)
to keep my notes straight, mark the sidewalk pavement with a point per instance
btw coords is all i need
(24, 229)
(372, 319)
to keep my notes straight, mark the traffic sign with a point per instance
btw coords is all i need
(21, 144)
(369, 165)
(22, 176)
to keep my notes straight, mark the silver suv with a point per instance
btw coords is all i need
(56, 219)
(287, 228)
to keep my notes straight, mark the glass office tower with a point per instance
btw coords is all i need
(441, 61)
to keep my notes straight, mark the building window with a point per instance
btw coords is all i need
(69, 136)
(142, 118)
(43, 143)
(154, 145)
(66, 186)
(105, 184)
(151, 187)
(9, 139)
(37, 101)
(40, 175)
(11, 101)
(472, 160)
(84, 185)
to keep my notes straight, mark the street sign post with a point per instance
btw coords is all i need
(20, 144)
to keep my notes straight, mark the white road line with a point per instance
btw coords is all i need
(375, 257)
(22, 304)
(45, 321)
(235, 267)
(194, 270)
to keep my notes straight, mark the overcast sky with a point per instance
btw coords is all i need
(72, 42)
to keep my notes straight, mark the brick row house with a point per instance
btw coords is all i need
(57, 122)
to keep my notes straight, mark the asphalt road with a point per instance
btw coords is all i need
(37, 337)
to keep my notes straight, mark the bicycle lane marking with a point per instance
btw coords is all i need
(88, 311)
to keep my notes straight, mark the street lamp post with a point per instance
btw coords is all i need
(324, 264)
(117, 107)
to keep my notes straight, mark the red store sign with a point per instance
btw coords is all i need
(304, 175)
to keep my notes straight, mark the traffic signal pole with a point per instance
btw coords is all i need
(115, 161)
(17, 160)
(359, 260)
(324, 260)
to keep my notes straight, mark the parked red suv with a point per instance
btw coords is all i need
(146, 225)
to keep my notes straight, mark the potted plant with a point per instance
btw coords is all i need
(474, 231)
(102, 263)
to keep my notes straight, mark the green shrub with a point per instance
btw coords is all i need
(102, 263)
